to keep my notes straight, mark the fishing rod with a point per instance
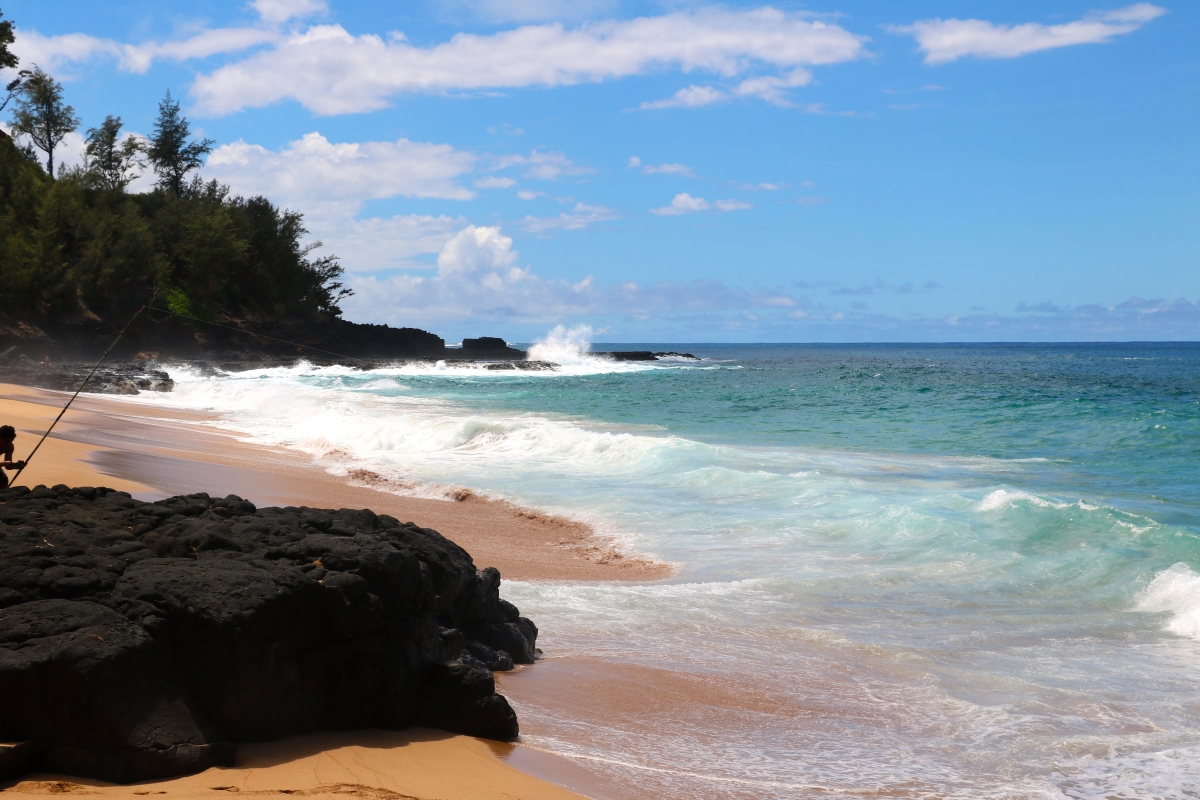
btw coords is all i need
(77, 391)
(150, 307)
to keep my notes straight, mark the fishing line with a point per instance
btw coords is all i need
(149, 307)
(77, 391)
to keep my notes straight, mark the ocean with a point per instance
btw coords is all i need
(921, 571)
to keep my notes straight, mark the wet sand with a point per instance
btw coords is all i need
(154, 453)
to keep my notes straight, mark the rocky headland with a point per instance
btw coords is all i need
(142, 640)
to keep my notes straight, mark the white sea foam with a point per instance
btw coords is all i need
(1002, 498)
(1175, 590)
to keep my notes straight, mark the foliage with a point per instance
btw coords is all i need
(8, 60)
(113, 164)
(171, 151)
(76, 247)
(41, 114)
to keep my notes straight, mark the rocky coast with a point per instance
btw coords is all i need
(141, 640)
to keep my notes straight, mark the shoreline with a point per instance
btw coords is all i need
(153, 453)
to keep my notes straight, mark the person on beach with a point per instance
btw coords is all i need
(7, 435)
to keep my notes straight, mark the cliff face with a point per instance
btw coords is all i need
(163, 336)
(142, 640)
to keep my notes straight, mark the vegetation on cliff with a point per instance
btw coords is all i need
(79, 245)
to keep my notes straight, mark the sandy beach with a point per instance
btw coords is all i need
(154, 453)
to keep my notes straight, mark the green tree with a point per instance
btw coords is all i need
(171, 150)
(41, 114)
(113, 163)
(9, 60)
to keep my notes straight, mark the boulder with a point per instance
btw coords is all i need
(142, 640)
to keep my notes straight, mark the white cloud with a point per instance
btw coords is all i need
(944, 40)
(766, 187)
(526, 194)
(689, 97)
(494, 182)
(634, 162)
(378, 244)
(476, 251)
(55, 53)
(535, 10)
(770, 88)
(684, 203)
(580, 217)
(332, 182)
(477, 278)
(669, 169)
(313, 172)
(279, 11)
(331, 71)
(544, 166)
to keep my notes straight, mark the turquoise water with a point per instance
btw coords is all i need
(935, 570)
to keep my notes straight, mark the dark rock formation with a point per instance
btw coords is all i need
(673, 354)
(142, 640)
(109, 379)
(162, 336)
(488, 348)
(628, 355)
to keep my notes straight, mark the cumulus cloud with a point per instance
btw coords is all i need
(312, 171)
(56, 53)
(581, 216)
(689, 97)
(545, 166)
(944, 40)
(684, 203)
(331, 183)
(331, 71)
(494, 182)
(478, 280)
(278, 11)
(770, 87)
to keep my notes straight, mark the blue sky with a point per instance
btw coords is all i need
(848, 171)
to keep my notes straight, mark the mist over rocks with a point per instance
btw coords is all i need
(142, 640)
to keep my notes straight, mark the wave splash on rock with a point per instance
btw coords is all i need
(144, 640)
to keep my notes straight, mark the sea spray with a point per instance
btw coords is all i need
(564, 345)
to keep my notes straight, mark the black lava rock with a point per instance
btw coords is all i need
(141, 640)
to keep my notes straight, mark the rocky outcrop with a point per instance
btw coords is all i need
(627, 355)
(158, 335)
(108, 379)
(142, 640)
(486, 348)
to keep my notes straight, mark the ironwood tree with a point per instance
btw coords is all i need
(171, 150)
(110, 162)
(41, 114)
